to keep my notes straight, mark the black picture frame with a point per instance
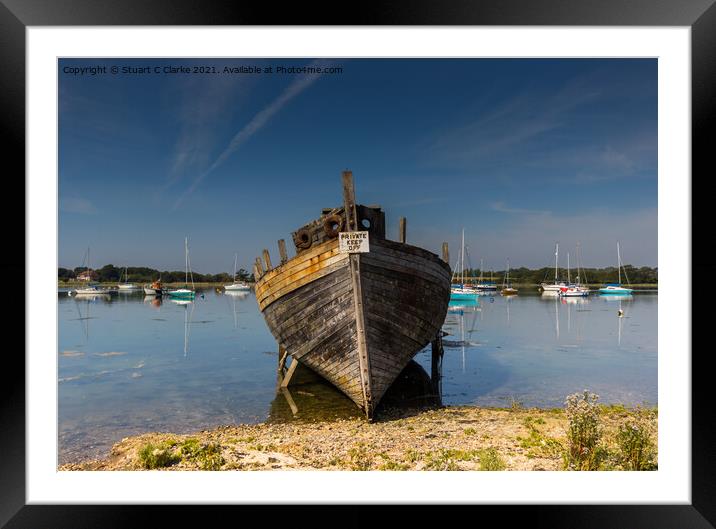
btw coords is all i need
(700, 15)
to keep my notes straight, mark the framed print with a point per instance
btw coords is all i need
(510, 147)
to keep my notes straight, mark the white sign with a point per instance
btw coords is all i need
(353, 242)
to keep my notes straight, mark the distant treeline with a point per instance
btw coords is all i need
(645, 274)
(141, 274)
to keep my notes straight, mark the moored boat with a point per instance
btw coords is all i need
(237, 286)
(616, 289)
(507, 288)
(352, 305)
(185, 293)
(555, 287)
(154, 289)
(460, 291)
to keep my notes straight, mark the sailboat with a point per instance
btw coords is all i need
(616, 289)
(185, 293)
(507, 289)
(127, 285)
(485, 286)
(573, 289)
(459, 291)
(90, 289)
(237, 285)
(553, 288)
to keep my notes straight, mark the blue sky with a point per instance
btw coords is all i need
(520, 152)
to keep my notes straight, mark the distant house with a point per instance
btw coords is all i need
(87, 275)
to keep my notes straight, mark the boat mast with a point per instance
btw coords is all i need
(569, 279)
(236, 256)
(462, 253)
(556, 256)
(186, 262)
(619, 264)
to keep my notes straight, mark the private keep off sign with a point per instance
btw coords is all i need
(353, 242)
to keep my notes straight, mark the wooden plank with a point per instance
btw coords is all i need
(446, 253)
(282, 251)
(401, 231)
(298, 263)
(349, 204)
(267, 259)
(289, 374)
(290, 275)
(259, 266)
(257, 274)
(282, 353)
(310, 276)
(291, 404)
(303, 257)
(349, 201)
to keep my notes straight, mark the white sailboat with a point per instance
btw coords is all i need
(90, 289)
(573, 289)
(185, 293)
(555, 287)
(616, 289)
(485, 286)
(237, 285)
(507, 289)
(127, 286)
(460, 291)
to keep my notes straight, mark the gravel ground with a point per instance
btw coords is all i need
(448, 438)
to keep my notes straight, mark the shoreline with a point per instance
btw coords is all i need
(445, 438)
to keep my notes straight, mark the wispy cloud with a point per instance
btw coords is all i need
(77, 205)
(204, 109)
(256, 124)
(509, 125)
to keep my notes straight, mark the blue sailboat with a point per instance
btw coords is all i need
(616, 289)
(460, 291)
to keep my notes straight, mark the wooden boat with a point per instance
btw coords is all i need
(356, 319)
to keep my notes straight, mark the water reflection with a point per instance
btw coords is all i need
(187, 320)
(310, 398)
(234, 296)
(460, 325)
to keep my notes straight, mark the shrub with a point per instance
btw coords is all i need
(491, 460)
(583, 432)
(207, 456)
(153, 456)
(634, 437)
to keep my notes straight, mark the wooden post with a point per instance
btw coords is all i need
(446, 253)
(349, 205)
(289, 399)
(267, 258)
(401, 230)
(289, 373)
(436, 364)
(282, 250)
(259, 266)
(282, 353)
(257, 274)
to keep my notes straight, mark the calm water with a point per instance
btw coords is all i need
(128, 365)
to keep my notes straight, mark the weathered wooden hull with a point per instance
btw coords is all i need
(316, 303)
